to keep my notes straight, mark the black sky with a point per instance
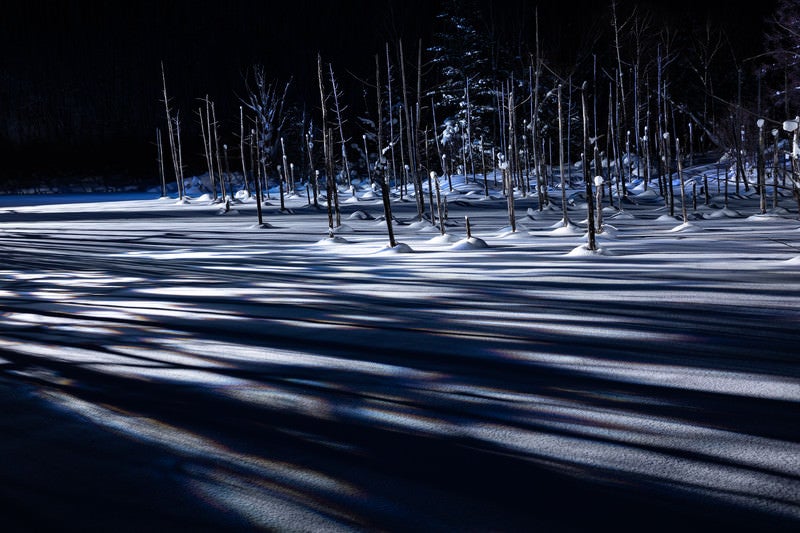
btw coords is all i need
(98, 64)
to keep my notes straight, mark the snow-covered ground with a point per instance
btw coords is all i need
(173, 366)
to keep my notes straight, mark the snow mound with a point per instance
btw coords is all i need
(381, 220)
(422, 225)
(569, 229)
(471, 243)
(666, 218)
(447, 238)
(622, 215)
(609, 231)
(536, 213)
(332, 240)
(343, 228)
(584, 251)
(400, 248)
(263, 225)
(686, 227)
(561, 223)
(361, 215)
(793, 261)
(724, 213)
(778, 211)
(758, 217)
(506, 233)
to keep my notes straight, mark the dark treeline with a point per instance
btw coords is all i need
(80, 83)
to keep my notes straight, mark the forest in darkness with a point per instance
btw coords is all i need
(80, 84)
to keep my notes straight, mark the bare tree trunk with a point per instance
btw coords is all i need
(762, 187)
(565, 215)
(241, 150)
(205, 135)
(216, 145)
(227, 176)
(161, 163)
(338, 111)
(170, 133)
(411, 143)
(387, 205)
(314, 173)
(180, 152)
(208, 148)
(587, 181)
(431, 176)
(390, 105)
(284, 177)
(775, 170)
(439, 209)
(678, 157)
(326, 146)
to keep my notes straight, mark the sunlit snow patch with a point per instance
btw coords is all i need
(332, 240)
(561, 230)
(724, 213)
(584, 251)
(422, 225)
(400, 248)
(686, 227)
(447, 238)
(471, 243)
(343, 228)
(361, 215)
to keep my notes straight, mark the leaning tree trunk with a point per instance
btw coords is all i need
(171, 134)
(326, 145)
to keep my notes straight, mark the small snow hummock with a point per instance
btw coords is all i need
(470, 243)
(399, 248)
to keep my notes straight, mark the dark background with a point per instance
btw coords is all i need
(80, 82)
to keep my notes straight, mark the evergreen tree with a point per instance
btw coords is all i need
(782, 41)
(464, 92)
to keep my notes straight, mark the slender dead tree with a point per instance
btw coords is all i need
(314, 174)
(587, 183)
(390, 107)
(179, 151)
(171, 134)
(411, 142)
(241, 150)
(338, 110)
(267, 102)
(381, 166)
(439, 208)
(206, 136)
(160, 147)
(326, 145)
(565, 215)
(678, 158)
(214, 126)
(227, 176)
